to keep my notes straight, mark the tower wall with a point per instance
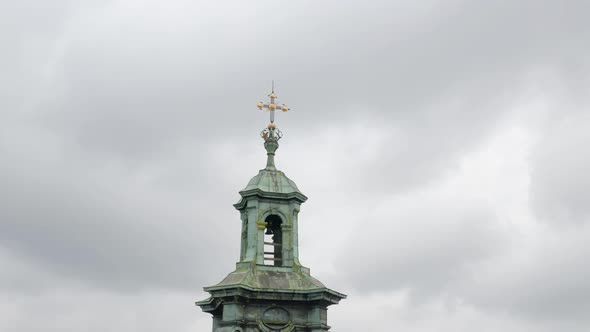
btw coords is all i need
(277, 317)
(253, 228)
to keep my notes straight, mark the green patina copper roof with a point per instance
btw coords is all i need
(269, 285)
(270, 279)
(271, 182)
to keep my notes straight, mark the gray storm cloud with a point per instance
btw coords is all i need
(441, 145)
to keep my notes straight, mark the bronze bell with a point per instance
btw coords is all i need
(268, 231)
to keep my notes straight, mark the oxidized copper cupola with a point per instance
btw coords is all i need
(270, 290)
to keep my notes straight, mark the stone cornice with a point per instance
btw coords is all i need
(296, 196)
(325, 296)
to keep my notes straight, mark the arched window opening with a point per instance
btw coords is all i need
(273, 241)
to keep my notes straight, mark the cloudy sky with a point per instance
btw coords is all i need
(443, 146)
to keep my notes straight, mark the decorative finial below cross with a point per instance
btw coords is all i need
(272, 105)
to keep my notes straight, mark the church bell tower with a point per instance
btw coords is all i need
(270, 290)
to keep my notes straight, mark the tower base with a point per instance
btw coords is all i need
(255, 300)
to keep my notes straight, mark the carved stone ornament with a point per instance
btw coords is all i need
(276, 319)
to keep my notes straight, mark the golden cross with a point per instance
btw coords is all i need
(272, 105)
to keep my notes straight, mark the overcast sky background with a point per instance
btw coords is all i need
(443, 146)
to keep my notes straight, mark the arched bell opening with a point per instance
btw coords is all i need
(273, 241)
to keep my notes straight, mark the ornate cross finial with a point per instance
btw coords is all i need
(271, 134)
(272, 105)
